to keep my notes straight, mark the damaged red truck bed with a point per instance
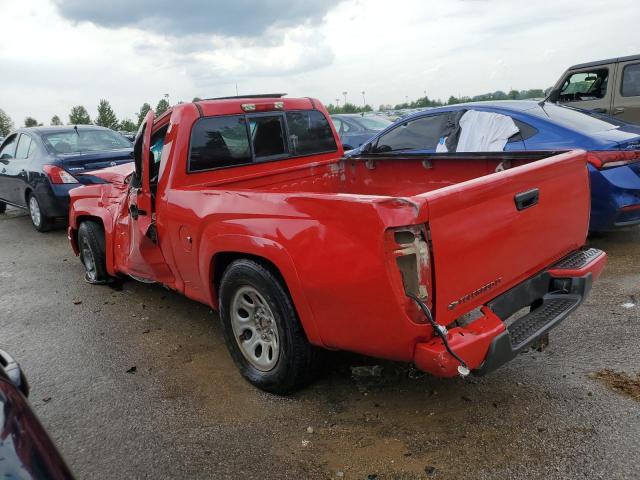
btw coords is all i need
(248, 205)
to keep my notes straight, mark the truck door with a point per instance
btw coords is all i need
(141, 256)
(626, 101)
(590, 88)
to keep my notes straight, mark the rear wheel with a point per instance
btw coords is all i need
(39, 219)
(262, 330)
(92, 252)
(3, 207)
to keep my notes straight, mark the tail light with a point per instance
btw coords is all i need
(613, 158)
(409, 248)
(58, 175)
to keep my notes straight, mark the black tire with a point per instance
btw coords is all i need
(92, 252)
(39, 219)
(297, 360)
(3, 207)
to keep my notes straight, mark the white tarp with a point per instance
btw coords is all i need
(483, 132)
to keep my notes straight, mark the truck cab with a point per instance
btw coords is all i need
(610, 87)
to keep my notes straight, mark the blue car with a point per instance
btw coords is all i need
(38, 166)
(355, 129)
(613, 146)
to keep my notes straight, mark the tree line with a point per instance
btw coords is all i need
(425, 101)
(80, 116)
(107, 117)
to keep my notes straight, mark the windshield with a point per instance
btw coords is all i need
(81, 141)
(374, 123)
(573, 119)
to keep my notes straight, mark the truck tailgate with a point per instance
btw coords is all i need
(490, 233)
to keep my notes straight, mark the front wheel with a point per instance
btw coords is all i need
(39, 219)
(3, 207)
(92, 252)
(262, 330)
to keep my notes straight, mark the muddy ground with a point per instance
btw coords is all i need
(185, 412)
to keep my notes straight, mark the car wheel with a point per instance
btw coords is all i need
(3, 207)
(92, 252)
(39, 220)
(262, 330)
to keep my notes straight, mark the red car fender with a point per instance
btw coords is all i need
(269, 250)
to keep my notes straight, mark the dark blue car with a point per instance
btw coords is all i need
(38, 166)
(355, 129)
(614, 148)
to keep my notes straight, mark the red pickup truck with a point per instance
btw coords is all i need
(453, 262)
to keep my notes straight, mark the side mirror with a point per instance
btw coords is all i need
(554, 95)
(14, 372)
(5, 158)
(367, 148)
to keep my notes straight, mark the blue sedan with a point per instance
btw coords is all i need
(38, 166)
(613, 146)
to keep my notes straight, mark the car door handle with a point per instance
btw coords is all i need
(528, 199)
(599, 110)
(618, 110)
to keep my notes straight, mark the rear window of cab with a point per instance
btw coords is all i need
(227, 141)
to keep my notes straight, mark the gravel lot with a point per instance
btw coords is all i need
(185, 412)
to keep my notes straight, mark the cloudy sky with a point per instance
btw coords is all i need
(58, 53)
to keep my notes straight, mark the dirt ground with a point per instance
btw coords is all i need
(569, 412)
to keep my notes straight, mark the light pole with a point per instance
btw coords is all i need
(364, 100)
(337, 102)
(166, 96)
(344, 94)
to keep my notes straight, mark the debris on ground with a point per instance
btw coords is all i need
(366, 371)
(309, 429)
(46, 399)
(620, 382)
(430, 470)
(132, 369)
(305, 443)
(77, 302)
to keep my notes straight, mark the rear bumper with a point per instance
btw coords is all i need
(54, 199)
(492, 340)
(615, 197)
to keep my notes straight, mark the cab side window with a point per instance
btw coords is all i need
(631, 81)
(24, 147)
(9, 149)
(583, 86)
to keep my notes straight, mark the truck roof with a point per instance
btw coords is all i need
(234, 105)
(604, 62)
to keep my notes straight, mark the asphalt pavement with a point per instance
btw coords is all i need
(134, 381)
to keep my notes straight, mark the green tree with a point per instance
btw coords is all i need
(6, 124)
(127, 125)
(163, 106)
(106, 117)
(144, 109)
(30, 122)
(196, 99)
(55, 120)
(513, 95)
(79, 116)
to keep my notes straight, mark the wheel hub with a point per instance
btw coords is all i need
(255, 329)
